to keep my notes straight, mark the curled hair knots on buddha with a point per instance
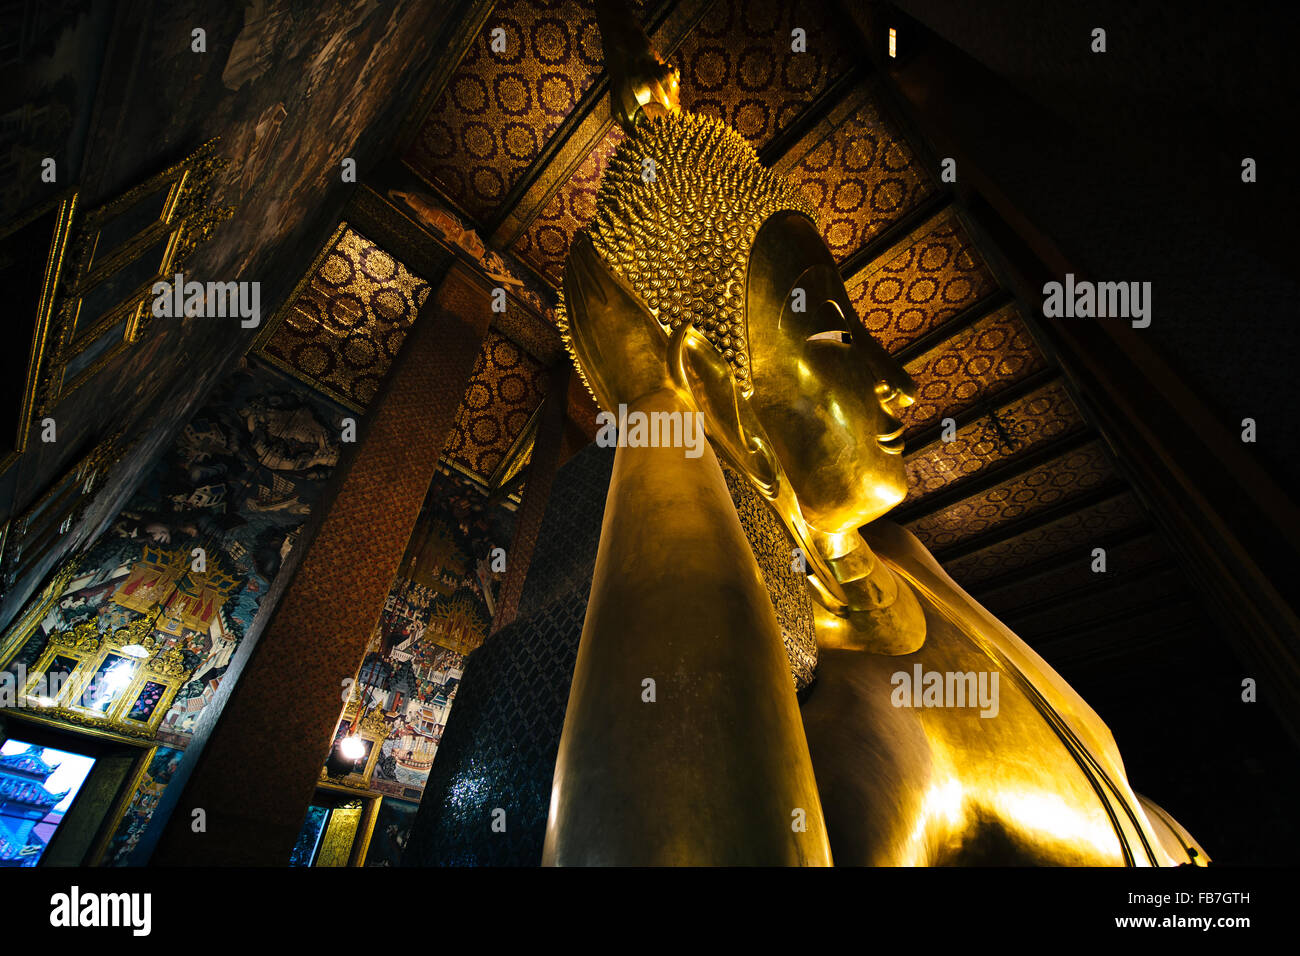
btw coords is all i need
(677, 211)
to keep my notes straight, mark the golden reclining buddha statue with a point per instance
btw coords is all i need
(703, 288)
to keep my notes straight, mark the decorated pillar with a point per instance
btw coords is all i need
(537, 492)
(256, 776)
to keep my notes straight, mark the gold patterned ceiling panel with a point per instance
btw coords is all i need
(956, 374)
(1025, 494)
(922, 282)
(1122, 560)
(499, 109)
(1044, 414)
(544, 245)
(1038, 544)
(861, 177)
(732, 67)
(738, 66)
(346, 324)
(504, 390)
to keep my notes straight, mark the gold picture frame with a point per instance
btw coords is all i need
(351, 835)
(124, 681)
(97, 278)
(121, 250)
(53, 219)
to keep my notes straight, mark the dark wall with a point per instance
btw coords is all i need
(291, 88)
(1131, 161)
(503, 734)
(1222, 767)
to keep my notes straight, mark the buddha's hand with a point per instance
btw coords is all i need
(620, 347)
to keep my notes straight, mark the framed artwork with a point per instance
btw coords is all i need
(32, 253)
(355, 771)
(81, 283)
(337, 829)
(76, 826)
(116, 255)
(123, 682)
(46, 782)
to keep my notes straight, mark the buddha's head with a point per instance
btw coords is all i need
(704, 274)
(727, 259)
(825, 392)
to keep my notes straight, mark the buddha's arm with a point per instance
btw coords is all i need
(715, 768)
(902, 549)
(682, 740)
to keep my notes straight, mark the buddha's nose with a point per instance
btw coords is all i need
(896, 390)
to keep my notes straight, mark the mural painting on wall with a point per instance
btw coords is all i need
(392, 830)
(126, 838)
(183, 568)
(438, 610)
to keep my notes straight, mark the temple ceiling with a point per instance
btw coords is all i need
(347, 321)
(505, 388)
(511, 147)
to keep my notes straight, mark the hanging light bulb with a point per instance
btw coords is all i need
(352, 747)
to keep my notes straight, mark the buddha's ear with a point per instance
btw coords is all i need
(702, 372)
(613, 337)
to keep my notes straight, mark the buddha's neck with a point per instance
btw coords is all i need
(866, 581)
(883, 615)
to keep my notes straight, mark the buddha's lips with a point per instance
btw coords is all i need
(892, 442)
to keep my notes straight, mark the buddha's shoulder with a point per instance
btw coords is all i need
(905, 553)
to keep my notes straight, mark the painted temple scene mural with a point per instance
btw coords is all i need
(144, 802)
(985, 555)
(182, 570)
(438, 611)
(140, 636)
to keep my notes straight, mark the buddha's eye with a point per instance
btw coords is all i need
(830, 314)
(832, 335)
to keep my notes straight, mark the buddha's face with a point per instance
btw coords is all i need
(825, 392)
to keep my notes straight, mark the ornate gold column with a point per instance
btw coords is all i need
(708, 764)
(260, 766)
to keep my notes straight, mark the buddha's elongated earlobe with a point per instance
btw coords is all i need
(705, 377)
(699, 371)
(617, 346)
